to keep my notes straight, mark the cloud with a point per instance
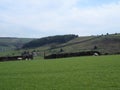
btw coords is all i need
(37, 18)
(103, 17)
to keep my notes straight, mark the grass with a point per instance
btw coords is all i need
(79, 73)
(105, 44)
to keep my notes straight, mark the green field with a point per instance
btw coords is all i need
(79, 73)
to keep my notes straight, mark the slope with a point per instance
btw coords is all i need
(106, 44)
(7, 43)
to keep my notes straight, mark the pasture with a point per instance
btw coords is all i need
(78, 73)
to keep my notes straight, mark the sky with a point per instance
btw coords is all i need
(41, 18)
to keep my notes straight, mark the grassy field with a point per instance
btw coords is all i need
(79, 73)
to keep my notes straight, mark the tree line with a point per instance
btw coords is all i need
(58, 39)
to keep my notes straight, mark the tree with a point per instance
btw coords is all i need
(107, 34)
(95, 47)
(61, 50)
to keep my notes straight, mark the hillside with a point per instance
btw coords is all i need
(58, 39)
(7, 43)
(106, 44)
(109, 44)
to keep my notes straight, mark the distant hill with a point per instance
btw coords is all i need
(106, 44)
(58, 39)
(8, 43)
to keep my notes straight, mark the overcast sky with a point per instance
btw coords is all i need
(40, 18)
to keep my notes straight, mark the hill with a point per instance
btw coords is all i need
(9, 43)
(58, 39)
(106, 44)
